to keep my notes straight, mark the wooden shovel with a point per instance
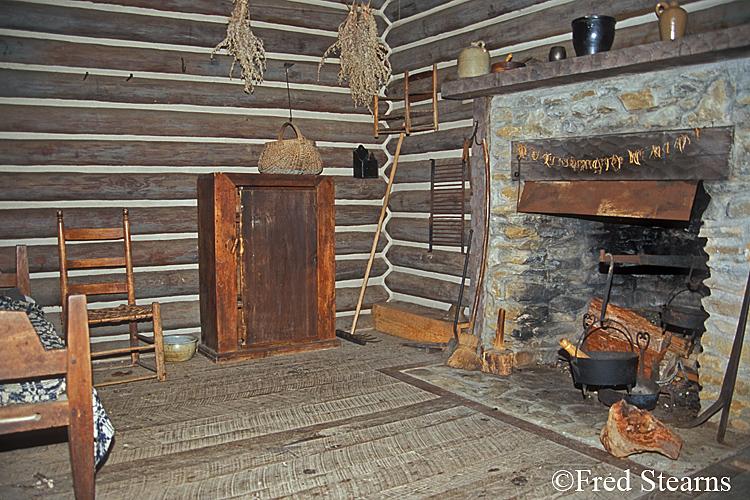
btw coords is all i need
(351, 336)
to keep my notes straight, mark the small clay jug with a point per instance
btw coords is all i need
(474, 60)
(672, 20)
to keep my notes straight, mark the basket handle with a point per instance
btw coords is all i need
(294, 127)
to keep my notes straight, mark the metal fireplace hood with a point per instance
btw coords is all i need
(656, 200)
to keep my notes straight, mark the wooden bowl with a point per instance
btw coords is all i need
(503, 65)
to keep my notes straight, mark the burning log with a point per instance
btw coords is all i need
(629, 430)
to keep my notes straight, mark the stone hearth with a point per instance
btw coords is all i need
(544, 269)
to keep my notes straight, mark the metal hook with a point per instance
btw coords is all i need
(473, 137)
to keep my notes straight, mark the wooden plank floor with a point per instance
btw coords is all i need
(335, 424)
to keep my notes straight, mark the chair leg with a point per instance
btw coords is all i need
(135, 356)
(158, 342)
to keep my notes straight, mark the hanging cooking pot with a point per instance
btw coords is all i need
(474, 61)
(684, 310)
(605, 368)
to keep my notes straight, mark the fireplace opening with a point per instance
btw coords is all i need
(659, 275)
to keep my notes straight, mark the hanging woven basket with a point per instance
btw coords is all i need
(290, 156)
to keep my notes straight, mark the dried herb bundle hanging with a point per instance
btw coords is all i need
(363, 58)
(246, 48)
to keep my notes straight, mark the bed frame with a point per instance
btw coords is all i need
(23, 357)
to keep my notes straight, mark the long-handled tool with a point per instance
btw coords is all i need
(351, 336)
(467, 355)
(724, 401)
(453, 343)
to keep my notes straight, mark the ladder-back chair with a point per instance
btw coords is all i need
(95, 283)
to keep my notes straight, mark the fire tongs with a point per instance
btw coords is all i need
(724, 401)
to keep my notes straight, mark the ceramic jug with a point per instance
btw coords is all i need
(672, 20)
(474, 60)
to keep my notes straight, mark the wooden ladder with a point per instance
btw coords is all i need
(402, 120)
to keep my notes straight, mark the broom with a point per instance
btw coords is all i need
(466, 356)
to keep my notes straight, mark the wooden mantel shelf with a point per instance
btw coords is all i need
(730, 43)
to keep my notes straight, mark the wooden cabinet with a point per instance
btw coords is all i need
(267, 270)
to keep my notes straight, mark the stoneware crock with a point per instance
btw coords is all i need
(592, 34)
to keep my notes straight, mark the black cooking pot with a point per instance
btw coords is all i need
(605, 368)
(684, 310)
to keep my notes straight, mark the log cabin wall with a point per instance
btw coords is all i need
(424, 32)
(117, 103)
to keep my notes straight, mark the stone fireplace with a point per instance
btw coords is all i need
(544, 269)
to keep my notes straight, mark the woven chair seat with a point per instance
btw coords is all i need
(123, 312)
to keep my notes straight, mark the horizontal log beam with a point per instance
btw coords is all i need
(427, 288)
(170, 283)
(58, 186)
(404, 9)
(408, 229)
(139, 60)
(44, 258)
(153, 91)
(443, 140)
(351, 242)
(437, 261)
(270, 11)
(150, 153)
(148, 285)
(451, 19)
(42, 222)
(350, 188)
(418, 202)
(355, 269)
(419, 171)
(346, 298)
(142, 28)
(186, 314)
(74, 120)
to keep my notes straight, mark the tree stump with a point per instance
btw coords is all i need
(498, 362)
(629, 430)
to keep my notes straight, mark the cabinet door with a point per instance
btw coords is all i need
(278, 265)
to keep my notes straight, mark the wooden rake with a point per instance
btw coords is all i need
(362, 339)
